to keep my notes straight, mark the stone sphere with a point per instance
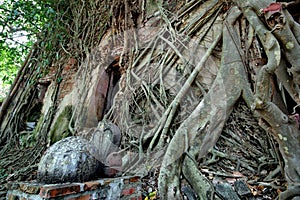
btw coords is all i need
(69, 160)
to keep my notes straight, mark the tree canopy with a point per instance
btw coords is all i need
(21, 24)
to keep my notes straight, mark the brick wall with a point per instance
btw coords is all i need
(127, 188)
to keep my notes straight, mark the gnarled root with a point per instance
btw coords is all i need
(201, 130)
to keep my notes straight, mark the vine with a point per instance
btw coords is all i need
(176, 86)
(66, 30)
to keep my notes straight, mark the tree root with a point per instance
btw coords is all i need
(284, 129)
(171, 110)
(201, 185)
(292, 192)
(201, 130)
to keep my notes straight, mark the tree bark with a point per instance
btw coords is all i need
(138, 65)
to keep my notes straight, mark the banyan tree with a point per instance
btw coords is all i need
(201, 92)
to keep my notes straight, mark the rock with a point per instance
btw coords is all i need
(226, 192)
(114, 164)
(242, 189)
(106, 139)
(69, 160)
(113, 131)
(76, 159)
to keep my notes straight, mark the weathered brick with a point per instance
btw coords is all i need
(93, 185)
(29, 188)
(59, 190)
(134, 179)
(84, 197)
(126, 188)
(128, 191)
(131, 180)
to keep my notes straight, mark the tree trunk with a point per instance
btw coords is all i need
(172, 76)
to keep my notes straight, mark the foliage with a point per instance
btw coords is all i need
(21, 23)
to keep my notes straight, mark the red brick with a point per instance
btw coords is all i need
(134, 179)
(85, 197)
(128, 191)
(59, 190)
(131, 180)
(91, 185)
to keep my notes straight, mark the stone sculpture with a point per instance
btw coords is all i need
(81, 158)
